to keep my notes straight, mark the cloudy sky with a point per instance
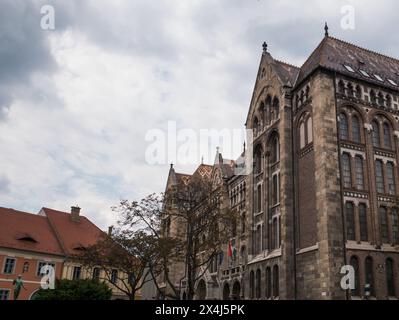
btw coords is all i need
(77, 102)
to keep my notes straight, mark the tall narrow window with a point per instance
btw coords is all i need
(390, 277)
(387, 136)
(343, 127)
(346, 171)
(258, 284)
(275, 150)
(369, 271)
(363, 222)
(350, 221)
(259, 239)
(356, 129)
(259, 198)
(355, 265)
(376, 134)
(275, 234)
(391, 178)
(276, 278)
(379, 177)
(268, 283)
(309, 127)
(359, 173)
(395, 226)
(383, 224)
(252, 285)
(302, 137)
(275, 190)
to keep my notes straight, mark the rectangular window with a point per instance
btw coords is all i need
(76, 273)
(96, 273)
(4, 294)
(395, 226)
(350, 222)
(391, 178)
(379, 177)
(114, 276)
(363, 222)
(359, 173)
(40, 265)
(9, 266)
(346, 171)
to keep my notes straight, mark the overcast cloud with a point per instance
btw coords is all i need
(76, 102)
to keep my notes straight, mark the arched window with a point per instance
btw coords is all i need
(350, 221)
(26, 267)
(259, 198)
(387, 136)
(276, 286)
(354, 261)
(302, 136)
(268, 283)
(262, 112)
(276, 108)
(376, 134)
(259, 239)
(359, 172)
(256, 126)
(275, 243)
(381, 100)
(341, 87)
(390, 277)
(391, 178)
(356, 136)
(252, 285)
(350, 89)
(363, 222)
(358, 92)
(268, 105)
(395, 226)
(275, 150)
(379, 177)
(258, 157)
(343, 127)
(346, 170)
(309, 128)
(373, 97)
(369, 272)
(383, 215)
(258, 284)
(275, 190)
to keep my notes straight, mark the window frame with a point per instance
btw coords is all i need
(13, 265)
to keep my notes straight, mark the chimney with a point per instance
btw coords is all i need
(110, 229)
(75, 212)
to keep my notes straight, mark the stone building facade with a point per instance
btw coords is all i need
(323, 192)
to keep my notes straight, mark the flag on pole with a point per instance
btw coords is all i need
(230, 251)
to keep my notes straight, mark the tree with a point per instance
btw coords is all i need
(76, 290)
(198, 205)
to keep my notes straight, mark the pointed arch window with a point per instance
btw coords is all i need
(390, 277)
(354, 261)
(395, 226)
(387, 136)
(276, 279)
(252, 285)
(258, 284)
(356, 136)
(376, 134)
(369, 273)
(275, 150)
(309, 128)
(268, 283)
(343, 127)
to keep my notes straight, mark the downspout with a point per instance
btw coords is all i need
(340, 185)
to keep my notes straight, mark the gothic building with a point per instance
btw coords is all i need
(324, 188)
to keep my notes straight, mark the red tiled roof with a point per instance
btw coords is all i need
(73, 235)
(49, 232)
(15, 225)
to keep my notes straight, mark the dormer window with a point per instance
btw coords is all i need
(27, 239)
(349, 68)
(392, 82)
(364, 73)
(378, 77)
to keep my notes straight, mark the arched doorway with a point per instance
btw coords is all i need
(201, 290)
(226, 292)
(236, 291)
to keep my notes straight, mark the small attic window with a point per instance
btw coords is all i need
(364, 73)
(392, 82)
(27, 239)
(378, 77)
(349, 68)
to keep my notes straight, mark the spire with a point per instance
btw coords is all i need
(171, 166)
(326, 30)
(264, 46)
(202, 160)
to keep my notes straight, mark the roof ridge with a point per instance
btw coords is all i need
(314, 51)
(367, 50)
(11, 210)
(287, 64)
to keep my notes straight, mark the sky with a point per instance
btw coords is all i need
(78, 102)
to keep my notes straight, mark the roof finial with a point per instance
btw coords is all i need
(245, 146)
(171, 165)
(326, 30)
(202, 160)
(264, 46)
